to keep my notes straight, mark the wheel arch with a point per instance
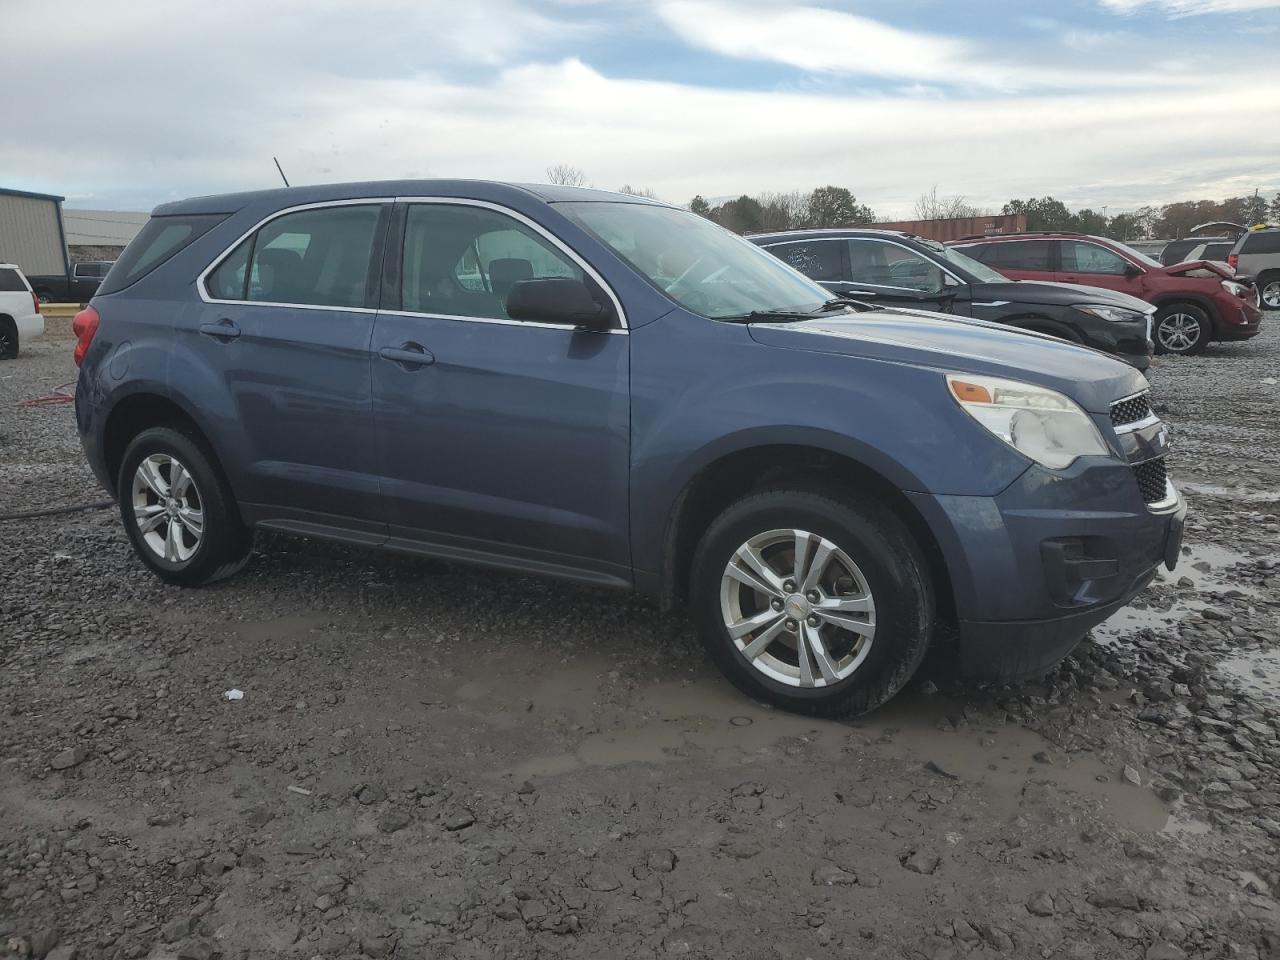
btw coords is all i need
(735, 474)
(136, 412)
(1205, 303)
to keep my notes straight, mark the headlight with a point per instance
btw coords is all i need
(1235, 289)
(1116, 314)
(1041, 424)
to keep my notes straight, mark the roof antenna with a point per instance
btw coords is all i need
(281, 169)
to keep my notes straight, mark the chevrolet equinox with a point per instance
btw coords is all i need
(573, 383)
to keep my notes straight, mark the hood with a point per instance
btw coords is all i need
(1212, 266)
(1092, 379)
(1057, 294)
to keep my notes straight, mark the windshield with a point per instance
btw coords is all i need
(701, 266)
(980, 271)
(1136, 254)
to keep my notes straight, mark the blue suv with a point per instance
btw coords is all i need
(579, 384)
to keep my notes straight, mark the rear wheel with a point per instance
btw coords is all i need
(811, 602)
(8, 339)
(1181, 328)
(177, 510)
(1269, 291)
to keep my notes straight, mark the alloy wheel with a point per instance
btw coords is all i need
(1178, 332)
(1271, 295)
(797, 608)
(167, 508)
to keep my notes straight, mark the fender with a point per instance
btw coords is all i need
(1200, 300)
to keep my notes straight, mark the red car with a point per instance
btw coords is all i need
(1196, 302)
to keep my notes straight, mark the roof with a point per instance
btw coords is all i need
(323, 192)
(10, 192)
(827, 232)
(102, 227)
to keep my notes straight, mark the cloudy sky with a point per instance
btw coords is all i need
(1097, 102)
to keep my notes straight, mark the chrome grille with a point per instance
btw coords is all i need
(1152, 478)
(1131, 410)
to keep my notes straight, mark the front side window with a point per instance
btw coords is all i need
(462, 261)
(1018, 255)
(881, 264)
(1079, 257)
(816, 259)
(314, 257)
(699, 265)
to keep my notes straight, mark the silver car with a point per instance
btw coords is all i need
(1257, 254)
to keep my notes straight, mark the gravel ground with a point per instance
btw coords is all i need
(437, 762)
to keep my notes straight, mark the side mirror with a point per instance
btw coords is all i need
(557, 300)
(1132, 270)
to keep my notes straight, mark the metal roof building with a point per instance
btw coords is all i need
(102, 228)
(31, 232)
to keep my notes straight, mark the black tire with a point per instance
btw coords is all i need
(1269, 279)
(1163, 329)
(224, 544)
(890, 562)
(8, 339)
(44, 296)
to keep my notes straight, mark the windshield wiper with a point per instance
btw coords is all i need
(844, 300)
(768, 316)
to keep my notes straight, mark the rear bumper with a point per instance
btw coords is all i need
(32, 325)
(1033, 569)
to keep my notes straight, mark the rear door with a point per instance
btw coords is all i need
(499, 441)
(287, 319)
(1020, 259)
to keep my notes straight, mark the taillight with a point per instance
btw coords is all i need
(35, 301)
(1233, 261)
(84, 326)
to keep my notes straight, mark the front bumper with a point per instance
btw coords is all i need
(1033, 569)
(1244, 321)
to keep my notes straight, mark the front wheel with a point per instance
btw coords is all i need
(1181, 328)
(179, 514)
(811, 602)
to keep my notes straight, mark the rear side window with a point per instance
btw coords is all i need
(10, 282)
(155, 243)
(1263, 241)
(1018, 255)
(816, 259)
(1216, 251)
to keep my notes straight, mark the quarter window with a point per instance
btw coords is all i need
(10, 282)
(817, 259)
(1018, 255)
(1261, 241)
(227, 282)
(880, 264)
(462, 261)
(1078, 257)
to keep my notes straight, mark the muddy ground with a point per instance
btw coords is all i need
(443, 762)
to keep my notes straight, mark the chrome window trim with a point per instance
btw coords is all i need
(285, 211)
(498, 320)
(547, 235)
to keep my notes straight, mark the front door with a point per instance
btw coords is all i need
(287, 323)
(1094, 265)
(892, 275)
(498, 440)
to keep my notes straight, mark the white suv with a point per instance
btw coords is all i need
(20, 317)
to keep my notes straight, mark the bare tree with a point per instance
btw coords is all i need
(637, 191)
(566, 175)
(930, 206)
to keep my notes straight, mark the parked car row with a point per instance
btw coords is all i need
(560, 381)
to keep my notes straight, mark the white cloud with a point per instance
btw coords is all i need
(819, 40)
(1191, 8)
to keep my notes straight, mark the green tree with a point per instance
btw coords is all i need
(1275, 209)
(1125, 226)
(1091, 222)
(836, 207)
(700, 206)
(741, 216)
(1043, 213)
